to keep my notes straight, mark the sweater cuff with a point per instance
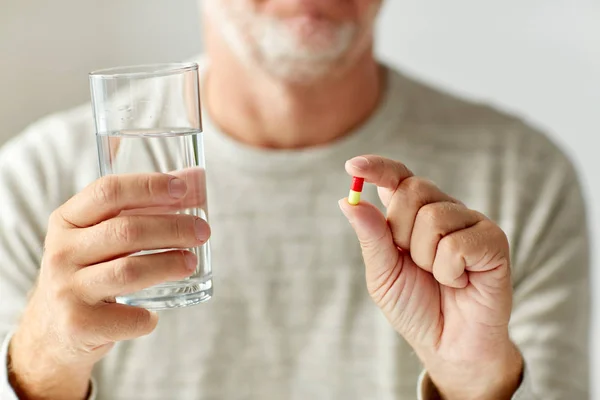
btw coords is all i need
(525, 389)
(6, 390)
(426, 390)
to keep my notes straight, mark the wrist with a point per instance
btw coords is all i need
(494, 376)
(34, 374)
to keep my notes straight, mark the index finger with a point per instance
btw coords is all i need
(108, 196)
(380, 171)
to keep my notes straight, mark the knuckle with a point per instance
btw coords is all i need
(505, 241)
(81, 288)
(125, 230)
(416, 190)
(497, 235)
(400, 170)
(181, 259)
(60, 293)
(450, 246)
(457, 202)
(124, 272)
(416, 185)
(440, 218)
(56, 258)
(145, 182)
(106, 190)
(55, 218)
(74, 322)
(379, 165)
(431, 214)
(498, 232)
(179, 228)
(404, 170)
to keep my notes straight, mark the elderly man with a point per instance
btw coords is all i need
(291, 91)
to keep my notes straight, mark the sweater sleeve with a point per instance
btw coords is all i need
(551, 314)
(33, 182)
(426, 390)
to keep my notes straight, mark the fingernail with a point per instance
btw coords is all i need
(191, 261)
(360, 162)
(177, 188)
(202, 229)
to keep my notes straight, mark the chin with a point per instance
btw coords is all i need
(303, 51)
(300, 73)
(312, 34)
(299, 49)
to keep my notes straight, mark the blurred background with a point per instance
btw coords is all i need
(536, 58)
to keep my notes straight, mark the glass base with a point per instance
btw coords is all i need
(170, 295)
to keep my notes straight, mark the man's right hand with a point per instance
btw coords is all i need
(72, 319)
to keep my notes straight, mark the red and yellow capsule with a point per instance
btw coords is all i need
(355, 189)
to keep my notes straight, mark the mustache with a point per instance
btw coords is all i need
(286, 9)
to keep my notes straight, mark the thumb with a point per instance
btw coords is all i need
(379, 251)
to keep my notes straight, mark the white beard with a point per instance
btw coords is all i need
(277, 48)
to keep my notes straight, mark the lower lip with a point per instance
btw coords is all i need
(307, 23)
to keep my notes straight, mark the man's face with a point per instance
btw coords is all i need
(295, 40)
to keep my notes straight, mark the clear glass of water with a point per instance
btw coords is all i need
(148, 119)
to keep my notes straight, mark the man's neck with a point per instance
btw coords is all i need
(260, 111)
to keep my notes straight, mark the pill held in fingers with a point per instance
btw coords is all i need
(355, 189)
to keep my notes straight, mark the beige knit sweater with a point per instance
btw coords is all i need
(291, 317)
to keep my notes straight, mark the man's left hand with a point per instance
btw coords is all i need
(440, 273)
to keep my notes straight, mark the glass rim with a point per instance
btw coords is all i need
(143, 70)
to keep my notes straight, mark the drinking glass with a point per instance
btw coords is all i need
(148, 119)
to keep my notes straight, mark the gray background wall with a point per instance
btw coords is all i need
(538, 58)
